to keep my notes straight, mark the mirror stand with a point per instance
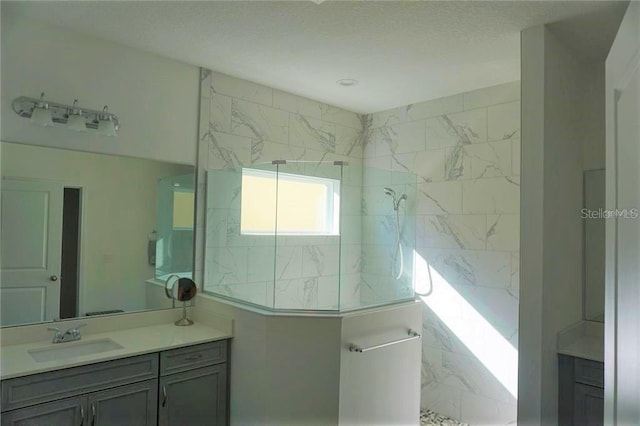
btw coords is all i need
(182, 290)
(184, 321)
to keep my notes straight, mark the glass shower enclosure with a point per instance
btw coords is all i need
(310, 236)
(173, 239)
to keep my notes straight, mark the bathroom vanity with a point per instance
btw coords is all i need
(581, 390)
(581, 374)
(160, 375)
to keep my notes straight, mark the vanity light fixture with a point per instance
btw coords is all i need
(49, 113)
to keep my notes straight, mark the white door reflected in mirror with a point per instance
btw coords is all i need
(31, 251)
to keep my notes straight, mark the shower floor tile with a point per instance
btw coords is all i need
(431, 418)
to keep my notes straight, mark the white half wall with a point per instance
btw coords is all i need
(297, 370)
(381, 386)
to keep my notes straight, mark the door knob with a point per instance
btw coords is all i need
(53, 278)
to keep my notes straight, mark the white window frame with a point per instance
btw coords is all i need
(332, 204)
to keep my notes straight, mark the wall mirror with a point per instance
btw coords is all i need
(594, 245)
(88, 234)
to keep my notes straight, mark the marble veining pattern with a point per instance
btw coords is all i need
(312, 133)
(461, 128)
(467, 234)
(454, 231)
(259, 122)
(220, 113)
(227, 151)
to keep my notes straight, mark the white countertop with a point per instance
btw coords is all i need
(583, 340)
(15, 360)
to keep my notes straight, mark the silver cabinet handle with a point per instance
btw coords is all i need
(193, 357)
(164, 396)
(53, 278)
(81, 415)
(93, 414)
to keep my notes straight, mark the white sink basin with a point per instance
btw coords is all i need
(73, 349)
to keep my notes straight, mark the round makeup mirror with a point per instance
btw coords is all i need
(182, 290)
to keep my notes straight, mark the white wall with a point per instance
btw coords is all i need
(622, 324)
(561, 130)
(119, 209)
(594, 130)
(156, 99)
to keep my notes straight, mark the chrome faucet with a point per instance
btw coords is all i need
(70, 335)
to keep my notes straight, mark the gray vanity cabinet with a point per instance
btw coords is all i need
(193, 386)
(125, 405)
(178, 387)
(69, 411)
(90, 395)
(580, 392)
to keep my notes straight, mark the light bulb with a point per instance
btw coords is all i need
(41, 116)
(106, 126)
(76, 120)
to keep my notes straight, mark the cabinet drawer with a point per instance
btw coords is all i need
(191, 357)
(589, 372)
(45, 387)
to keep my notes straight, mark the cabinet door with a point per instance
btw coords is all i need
(125, 405)
(589, 406)
(65, 412)
(194, 398)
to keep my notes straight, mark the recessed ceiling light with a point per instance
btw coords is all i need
(347, 82)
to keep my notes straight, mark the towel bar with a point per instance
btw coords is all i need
(412, 336)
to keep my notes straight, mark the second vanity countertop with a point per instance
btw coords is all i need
(15, 360)
(583, 340)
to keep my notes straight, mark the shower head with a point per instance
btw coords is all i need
(396, 201)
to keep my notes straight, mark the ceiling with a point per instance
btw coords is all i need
(401, 52)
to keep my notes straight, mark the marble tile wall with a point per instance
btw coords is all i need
(241, 124)
(458, 160)
(465, 151)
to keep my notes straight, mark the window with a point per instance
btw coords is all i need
(183, 205)
(305, 205)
